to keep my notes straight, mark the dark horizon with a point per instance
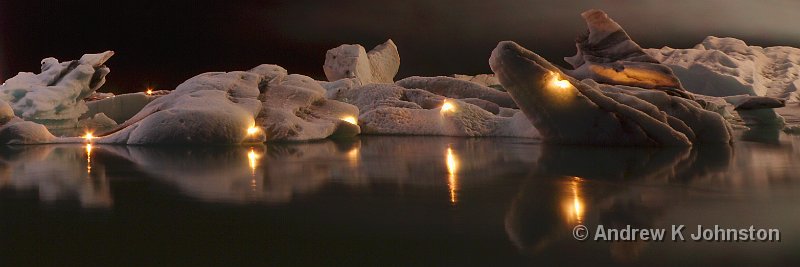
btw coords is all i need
(162, 44)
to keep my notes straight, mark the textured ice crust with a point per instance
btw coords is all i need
(391, 109)
(607, 54)
(219, 108)
(379, 65)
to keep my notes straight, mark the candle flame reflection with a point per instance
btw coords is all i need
(574, 207)
(89, 158)
(452, 169)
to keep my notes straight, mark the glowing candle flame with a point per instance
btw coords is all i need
(252, 130)
(448, 107)
(558, 82)
(452, 168)
(88, 136)
(350, 119)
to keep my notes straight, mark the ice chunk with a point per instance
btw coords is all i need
(226, 107)
(211, 108)
(457, 88)
(98, 121)
(380, 65)
(19, 132)
(55, 96)
(728, 66)
(745, 102)
(391, 109)
(568, 111)
(295, 108)
(607, 54)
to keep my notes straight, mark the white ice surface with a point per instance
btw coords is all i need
(55, 96)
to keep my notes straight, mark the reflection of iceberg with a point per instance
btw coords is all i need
(556, 197)
(279, 172)
(57, 172)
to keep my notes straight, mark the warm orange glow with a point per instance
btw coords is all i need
(88, 136)
(252, 130)
(149, 91)
(352, 155)
(452, 169)
(558, 82)
(89, 158)
(252, 157)
(574, 207)
(448, 107)
(350, 119)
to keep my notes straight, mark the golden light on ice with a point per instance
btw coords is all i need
(452, 169)
(350, 119)
(448, 107)
(88, 136)
(558, 82)
(252, 130)
(574, 206)
(149, 91)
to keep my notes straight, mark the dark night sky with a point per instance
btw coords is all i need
(162, 43)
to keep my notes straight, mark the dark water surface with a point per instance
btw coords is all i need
(406, 201)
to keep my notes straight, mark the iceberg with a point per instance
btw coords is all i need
(568, 111)
(379, 65)
(391, 109)
(264, 103)
(54, 97)
(295, 108)
(607, 54)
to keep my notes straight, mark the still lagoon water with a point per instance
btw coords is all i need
(384, 200)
